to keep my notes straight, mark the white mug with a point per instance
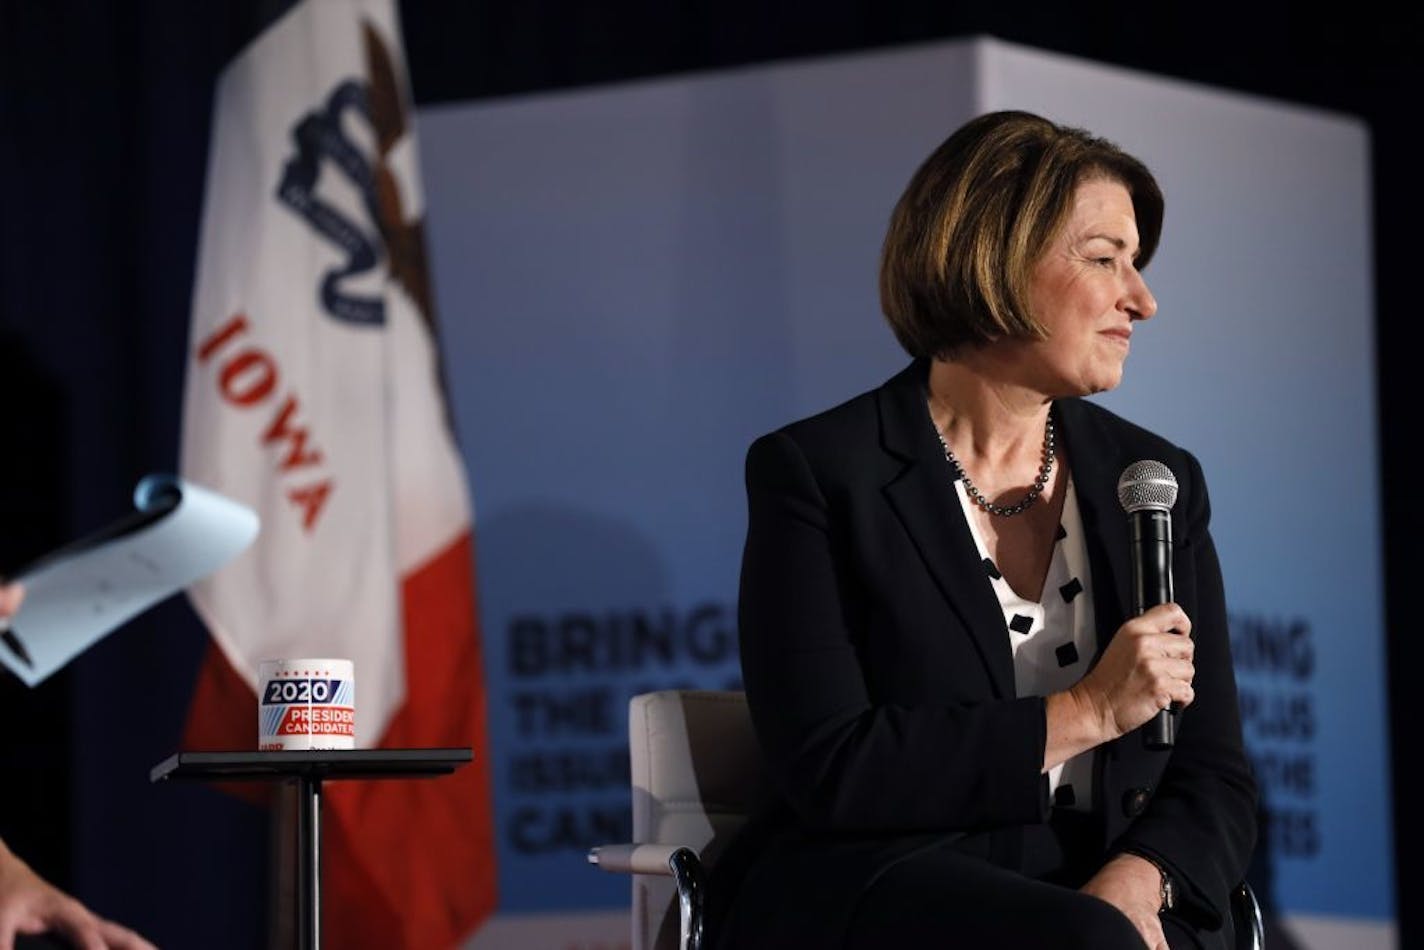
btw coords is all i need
(306, 704)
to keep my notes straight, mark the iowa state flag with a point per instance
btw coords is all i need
(314, 394)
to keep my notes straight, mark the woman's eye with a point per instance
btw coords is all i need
(1103, 261)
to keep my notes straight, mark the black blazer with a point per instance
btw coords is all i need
(881, 685)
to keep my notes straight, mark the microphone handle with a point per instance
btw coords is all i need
(1151, 531)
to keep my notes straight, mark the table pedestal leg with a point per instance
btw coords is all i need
(309, 863)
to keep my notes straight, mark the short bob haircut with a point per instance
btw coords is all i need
(976, 217)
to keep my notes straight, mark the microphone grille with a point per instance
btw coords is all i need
(1147, 485)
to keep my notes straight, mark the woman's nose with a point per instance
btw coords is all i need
(1138, 299)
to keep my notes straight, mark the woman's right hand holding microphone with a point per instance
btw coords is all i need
(1146, 667)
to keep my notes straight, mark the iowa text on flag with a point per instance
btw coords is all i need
(313, 394)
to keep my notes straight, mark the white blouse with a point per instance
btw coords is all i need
(1053, 640)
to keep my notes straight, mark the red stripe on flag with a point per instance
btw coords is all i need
(411, 863)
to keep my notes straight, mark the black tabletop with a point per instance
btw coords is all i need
(324, 764)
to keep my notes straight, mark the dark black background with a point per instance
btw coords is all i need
(104, 111)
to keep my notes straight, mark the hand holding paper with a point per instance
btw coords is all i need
(75, 596)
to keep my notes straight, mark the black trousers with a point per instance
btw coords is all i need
(946, 897)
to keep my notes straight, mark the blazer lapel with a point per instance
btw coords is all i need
(1097, 460)
(922, 496)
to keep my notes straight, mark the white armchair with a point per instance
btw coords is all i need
(697, 776)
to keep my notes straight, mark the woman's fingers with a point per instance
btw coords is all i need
(1164, 618)
(70, 918)
(1147, 667)
(11, 595)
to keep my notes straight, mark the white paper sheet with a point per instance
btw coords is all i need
(75, 596)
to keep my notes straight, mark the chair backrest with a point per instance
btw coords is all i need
(697, 774)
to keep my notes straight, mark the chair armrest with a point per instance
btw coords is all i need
(639, 858)
(668, 860)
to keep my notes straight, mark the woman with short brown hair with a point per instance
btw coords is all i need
(938, 647)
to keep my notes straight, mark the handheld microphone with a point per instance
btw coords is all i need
(1147, 490)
